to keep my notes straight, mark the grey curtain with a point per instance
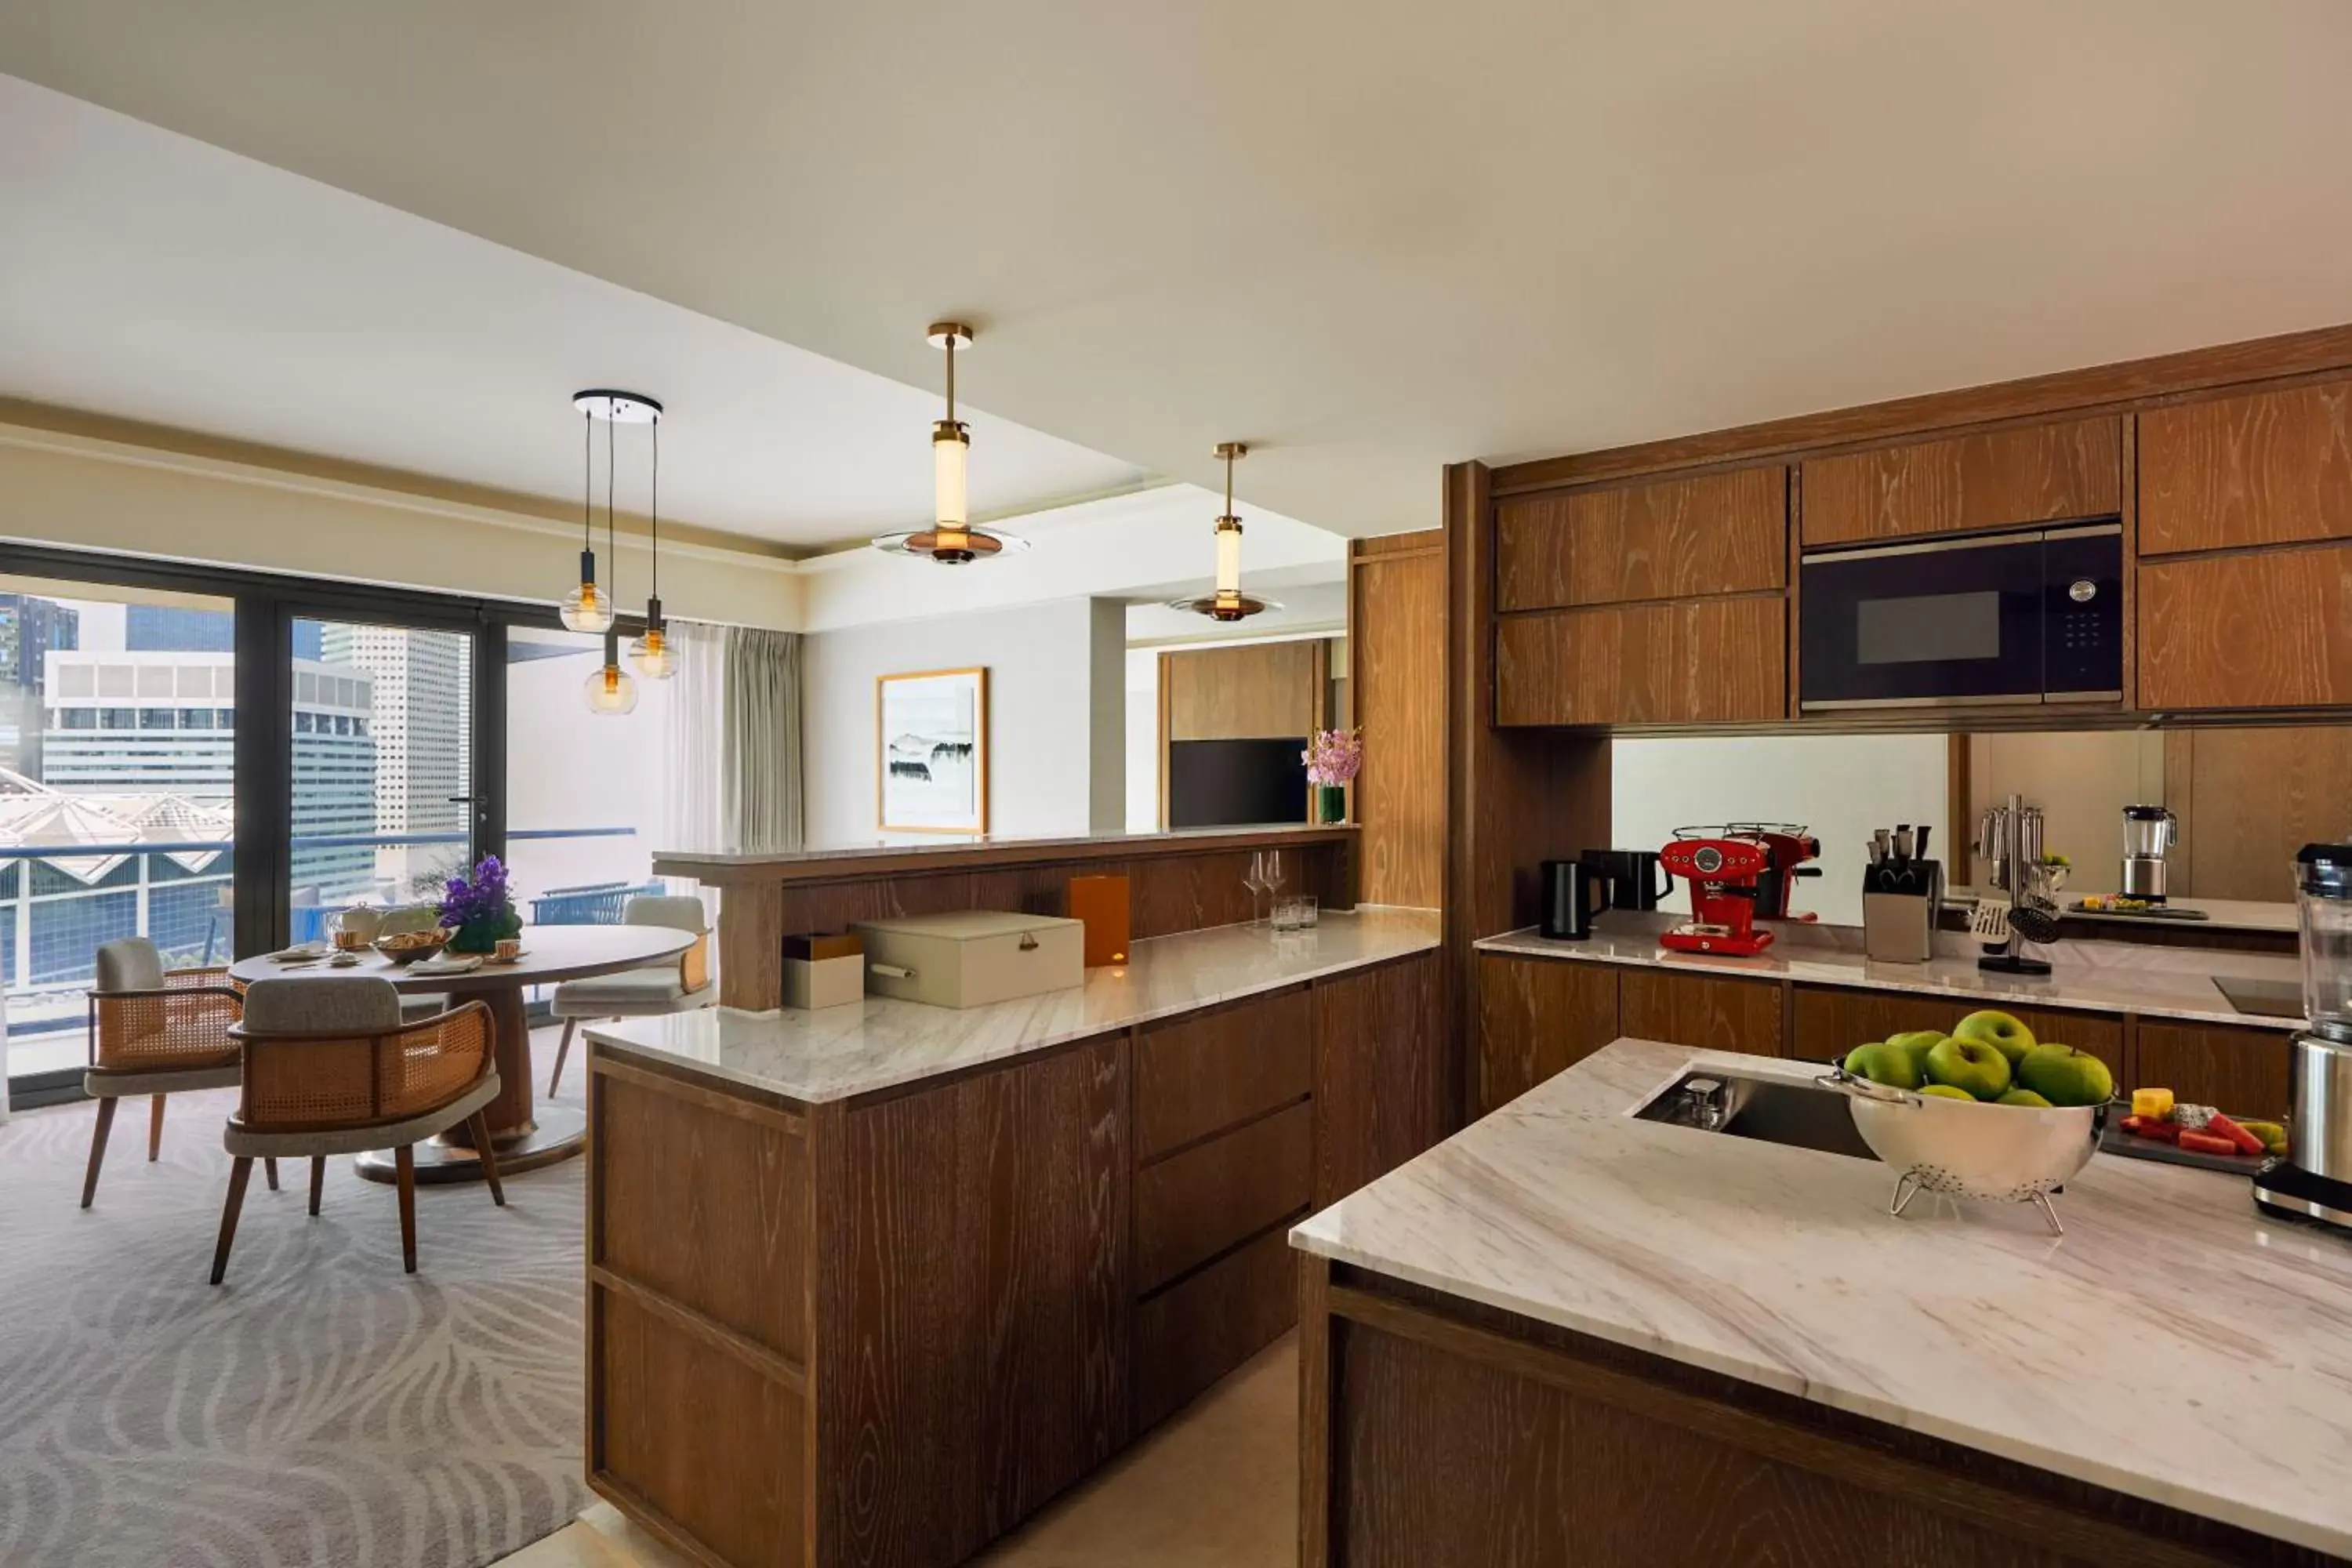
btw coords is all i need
(762, 729)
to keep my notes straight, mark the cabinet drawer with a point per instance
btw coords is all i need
(1706, 660)
(2246, 1072)
(1719, 533)
(1194, 1332)
(1701, 1011)
(2270, 630)
(1831, 1022)
(1213, 1071)
(2271, 468)
(2000, 478)
(1191, 1206)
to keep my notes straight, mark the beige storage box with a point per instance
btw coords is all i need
(972, 957)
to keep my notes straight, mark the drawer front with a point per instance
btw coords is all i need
(1709, 660)
(1701, 1011)
(1194, 1332)
(2000, 479)
(1191, 1206)
(2269, 468)
(1720, 533)
(1211, 1072)
(2246, 1072)
(1831, 1022)
(2271, 630)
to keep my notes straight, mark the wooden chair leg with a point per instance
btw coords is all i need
(480, 1123)
(562, 1049)
(403, 1161)
(317, 1181)
(239, 1174)
(154, 1128)
(98, 1148)
(270, 1170)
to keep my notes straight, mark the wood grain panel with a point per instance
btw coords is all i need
(2266, 630)
(2248, 798)
(2271, 468)
(1191, 1206)
(1249, 691)
(1704, 661)
(1717, 533)
(1396, 646)
(1209, 1071)
(1831, 1022)
(1202, 1327)
(1998, 479)
(1382, 1080)
(2246, 1072)
(1538, 1016)
(1700, 1011)
(750, 952)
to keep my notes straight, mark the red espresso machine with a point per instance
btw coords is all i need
(1740, 873)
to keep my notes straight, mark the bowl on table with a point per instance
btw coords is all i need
(408, 946)
(1967, 1149)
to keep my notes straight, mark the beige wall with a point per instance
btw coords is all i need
(94, 494)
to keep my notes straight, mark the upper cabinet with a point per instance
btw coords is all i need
(1701, 661)
(2269, 629)
(2000, 479)
(2270, 467)
(1718, 533)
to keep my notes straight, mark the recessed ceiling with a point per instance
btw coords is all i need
(1370, 236)
(147, 275)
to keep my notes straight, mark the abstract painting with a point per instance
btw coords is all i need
(931, 736)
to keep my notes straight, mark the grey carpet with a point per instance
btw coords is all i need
(320, 1407)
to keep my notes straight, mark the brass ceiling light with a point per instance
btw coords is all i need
(1228, 603)
(609, 688)
(952, 540)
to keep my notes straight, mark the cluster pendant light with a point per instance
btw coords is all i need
(1228, 603)
(609, 688)
(953, 539)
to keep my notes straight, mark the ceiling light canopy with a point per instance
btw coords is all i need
(1228, 603)
(952, 540)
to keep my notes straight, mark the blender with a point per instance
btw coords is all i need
(2149, 832)
(2313, 1181)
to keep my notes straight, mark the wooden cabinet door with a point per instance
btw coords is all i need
(1831, 1022)
(1538, 1016)
(1701, 661)
(1997, 478)
(1718, 533)
(1209, 1071)
(1701, 1011)
(1382, 1087)
(2246, 1072)
(2266, 630)
(2270, 468)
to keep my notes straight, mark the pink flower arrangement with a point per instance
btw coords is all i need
(1333, 756)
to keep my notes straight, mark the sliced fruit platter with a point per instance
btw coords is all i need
(2159, 1128)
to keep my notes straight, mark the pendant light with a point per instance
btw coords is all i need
(1228, 603)
(609, 688)
(586, 609)
(953, 539)
(651, 651)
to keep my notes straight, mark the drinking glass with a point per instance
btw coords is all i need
(1257, 882)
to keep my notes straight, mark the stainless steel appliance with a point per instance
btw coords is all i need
(2149, 832)
(2033, 617)
(1902, 897)
(2315, 1179)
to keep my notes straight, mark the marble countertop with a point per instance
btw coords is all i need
(2221, 914)
(984, 848)
(2173, 1346)
(2101, 976)
(837, 1053)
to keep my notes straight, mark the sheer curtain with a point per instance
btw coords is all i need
(761, 804)
(694, 786)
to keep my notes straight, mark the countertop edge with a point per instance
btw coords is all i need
(864, 860)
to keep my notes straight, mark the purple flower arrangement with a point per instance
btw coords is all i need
(479, 908)
(1333, 756)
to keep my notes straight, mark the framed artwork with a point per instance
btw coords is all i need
(931, 751)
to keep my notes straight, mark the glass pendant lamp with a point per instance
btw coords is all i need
(609, 688)
(1227, 602)
(953, 539)
(586, 609)
(650, 651)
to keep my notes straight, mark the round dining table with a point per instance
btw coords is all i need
(524, 1136)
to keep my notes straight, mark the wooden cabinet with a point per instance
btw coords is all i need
(1718, 533)
(1700, 661)
(1250, 692)
(1192, 1334)
(1209, 1071)
(1996, 478)
(1831, 1022)
(1383, 1091)
(1538, 1016)
(2270, 467)
(1396, 656)
(2247, 1072)
(1193, 1205)
(1701, 1011)
(2271, 629)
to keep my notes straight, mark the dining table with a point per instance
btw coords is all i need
(524, 1135)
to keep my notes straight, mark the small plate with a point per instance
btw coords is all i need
(493, 958)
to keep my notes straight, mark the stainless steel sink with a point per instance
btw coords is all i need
(1768, 1110)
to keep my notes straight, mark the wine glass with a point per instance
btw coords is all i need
(1257, 881)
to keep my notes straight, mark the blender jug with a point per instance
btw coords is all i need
(2322, 881)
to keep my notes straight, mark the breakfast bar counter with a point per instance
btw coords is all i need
(1667, 1344)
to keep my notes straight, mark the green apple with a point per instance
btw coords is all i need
(1946, 1091)
(1998, 1028)
(2064, 1075)
(1975, 1067)
(1883, 1062)
(2023, 1096)
(1918, 1042)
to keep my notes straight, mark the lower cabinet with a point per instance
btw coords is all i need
(2247, 1072)
(1701, 1011)
(1382, 1082)
(1831, 1022)
(1538, 1016)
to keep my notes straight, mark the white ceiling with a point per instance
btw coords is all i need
(1373, 236)
(148, 276)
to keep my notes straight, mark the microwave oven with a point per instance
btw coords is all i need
(2031, 617)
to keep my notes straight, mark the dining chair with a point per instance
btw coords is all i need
(675, 985)
(155, 1032)
(413, 916)
(332, 1068)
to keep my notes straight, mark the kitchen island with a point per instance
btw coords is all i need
(869, 1285)
(1569, 1335)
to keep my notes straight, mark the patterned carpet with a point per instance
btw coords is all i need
(320, 1407)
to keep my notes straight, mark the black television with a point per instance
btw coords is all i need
(1229, 784)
